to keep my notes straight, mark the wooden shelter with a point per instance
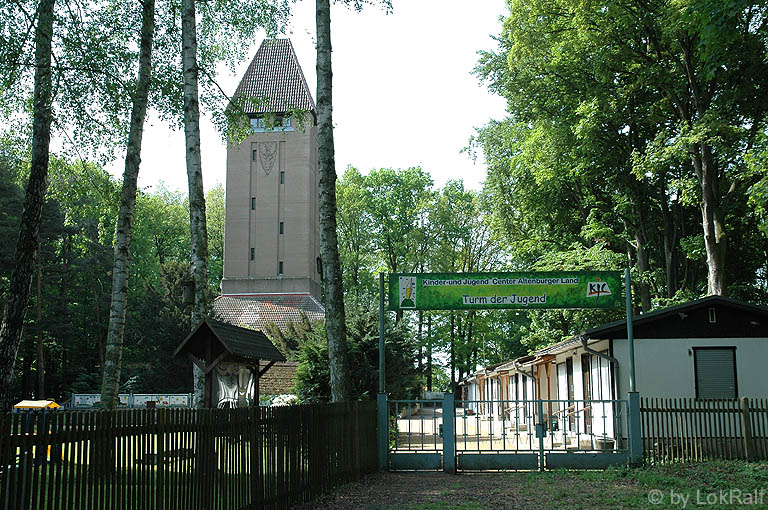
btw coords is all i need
(213, 342)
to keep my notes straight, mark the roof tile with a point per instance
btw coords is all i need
(256, 312)
(274, 81)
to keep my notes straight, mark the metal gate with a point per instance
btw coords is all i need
(416, 434)
(492, 435)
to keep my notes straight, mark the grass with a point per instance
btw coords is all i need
(667, 486)
(674, 486)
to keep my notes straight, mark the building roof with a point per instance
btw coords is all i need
(691, 320)
(274, 81)
(257, 311)
(279, 379)
(735, 319)
(560, 346)
(240, 343)
(687, 320)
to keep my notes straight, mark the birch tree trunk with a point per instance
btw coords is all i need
(113, 355)
(28, 240)
(335, 325)
(197, 224)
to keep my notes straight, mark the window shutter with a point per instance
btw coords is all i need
(715, 373)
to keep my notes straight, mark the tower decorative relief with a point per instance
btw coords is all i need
(268, 154)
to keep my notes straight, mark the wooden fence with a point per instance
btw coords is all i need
(158, 459)
(685, 429)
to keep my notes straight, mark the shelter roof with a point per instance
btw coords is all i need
(232, 342)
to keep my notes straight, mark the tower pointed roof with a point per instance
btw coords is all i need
(274, 81)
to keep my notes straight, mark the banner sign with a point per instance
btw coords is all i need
(480, 291)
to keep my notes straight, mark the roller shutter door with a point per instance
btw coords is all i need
(715, 372)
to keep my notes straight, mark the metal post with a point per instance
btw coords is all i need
(382, 431)
(541, 431)
(449, 434)
(381, 333)
(381, 399)
(635, 429)
(630, 334)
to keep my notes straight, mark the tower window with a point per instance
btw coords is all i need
(253, 253)
(280, 268)
(253, 155)
(282, 177)
(253, 203)
(276, 123)
(281, 228)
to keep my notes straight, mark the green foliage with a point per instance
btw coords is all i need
(76, 259)
(157, 322)
(609, 107)
(397, 201)
(11, 205)
(295, 335)
(215, 215)
(313, 377)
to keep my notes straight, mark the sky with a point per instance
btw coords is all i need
(403, 91)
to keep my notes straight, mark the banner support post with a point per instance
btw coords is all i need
(381, 398)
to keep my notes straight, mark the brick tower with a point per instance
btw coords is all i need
(272, 240)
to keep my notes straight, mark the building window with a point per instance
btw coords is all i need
(281, 228)
(282, 177)
(277, 123)
(715, 372)
(253, 203)
(253, 253)
(280, 268)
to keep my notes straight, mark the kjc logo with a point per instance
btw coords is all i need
(597, 289)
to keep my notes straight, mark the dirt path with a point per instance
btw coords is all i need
(436, 491)
(422, 490)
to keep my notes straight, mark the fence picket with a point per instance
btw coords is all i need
(685, 429)
(257, 457)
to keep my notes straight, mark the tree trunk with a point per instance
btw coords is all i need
(97, 314)
(712, 219)
(335, 326)
(26, 373)
(670, 239)
(40, 393)
(642, 267)
(706, 169)
(27, 242)
(197, 223)
(110, 382)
